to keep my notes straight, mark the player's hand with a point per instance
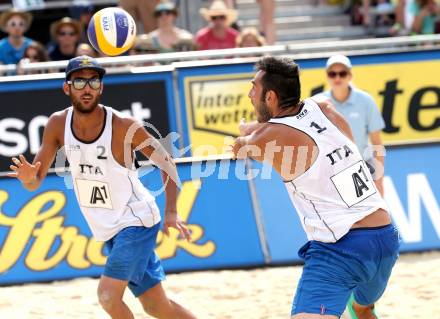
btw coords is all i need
(239, 149)
(172, 219)
(242, 127)
(23, 170)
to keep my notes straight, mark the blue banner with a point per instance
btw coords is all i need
(235, 220)
(218, 210)
(43, 235)
(412, 191)
(282, 227)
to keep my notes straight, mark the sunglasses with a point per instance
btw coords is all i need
(80, 83)
(164, 12)
(213, 18)
(16, 24)
(333, 74)
(63, 34)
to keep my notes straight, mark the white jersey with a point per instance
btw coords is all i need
(337, 190)
(111, 197)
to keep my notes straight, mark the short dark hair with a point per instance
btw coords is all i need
(281, 76)
(42, 55)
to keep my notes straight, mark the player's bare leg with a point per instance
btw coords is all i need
(363, 312)
(157, 304)
(110, 293)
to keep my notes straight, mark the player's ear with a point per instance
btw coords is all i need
(66, 88)
(270, 95)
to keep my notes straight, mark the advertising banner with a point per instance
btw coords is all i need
(239, 216)
(43, 235)
(149, 97)
(213, 100)
(282, 227)
(404, 85)
(412, 191)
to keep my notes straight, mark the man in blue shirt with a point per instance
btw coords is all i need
(360, 111)
(15, 24)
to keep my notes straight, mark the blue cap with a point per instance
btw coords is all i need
(83, 62)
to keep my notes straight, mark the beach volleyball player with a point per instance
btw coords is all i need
(352, 245)
(117, 207)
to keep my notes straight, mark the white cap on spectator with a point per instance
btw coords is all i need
(338, 59)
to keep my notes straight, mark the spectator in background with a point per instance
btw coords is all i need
(360, 111)
(86, 49)
(229, 3)
(66, 34)
(267, 11)
(15, 24)
(219, 34)
(249, 37)
(167, 37)
(83, 14)
(400, 26)
(425, 13)
(373, 13)
(142, 45)
(142, 11)
(35, 52)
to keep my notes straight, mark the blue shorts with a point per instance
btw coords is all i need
(132, 258)
(358, 263)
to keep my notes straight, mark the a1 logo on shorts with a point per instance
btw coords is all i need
(94, 194)
(354, 183)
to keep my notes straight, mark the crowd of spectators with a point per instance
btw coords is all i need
(398, 17)
(158, 32)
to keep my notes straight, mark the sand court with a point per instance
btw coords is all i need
(413, 292)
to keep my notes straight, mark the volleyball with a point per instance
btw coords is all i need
(112, 31)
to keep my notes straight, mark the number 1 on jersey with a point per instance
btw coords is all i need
(319, 128)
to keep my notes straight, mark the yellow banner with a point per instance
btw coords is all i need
(407, 94)
(215, 105)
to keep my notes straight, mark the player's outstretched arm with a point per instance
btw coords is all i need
(151, 148)
(32, 174)
(252, 145)
(247, 128)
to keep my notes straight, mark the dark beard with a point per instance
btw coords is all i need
(263, 112)
(79, 107)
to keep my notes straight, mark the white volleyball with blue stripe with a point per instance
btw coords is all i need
(112, 31)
